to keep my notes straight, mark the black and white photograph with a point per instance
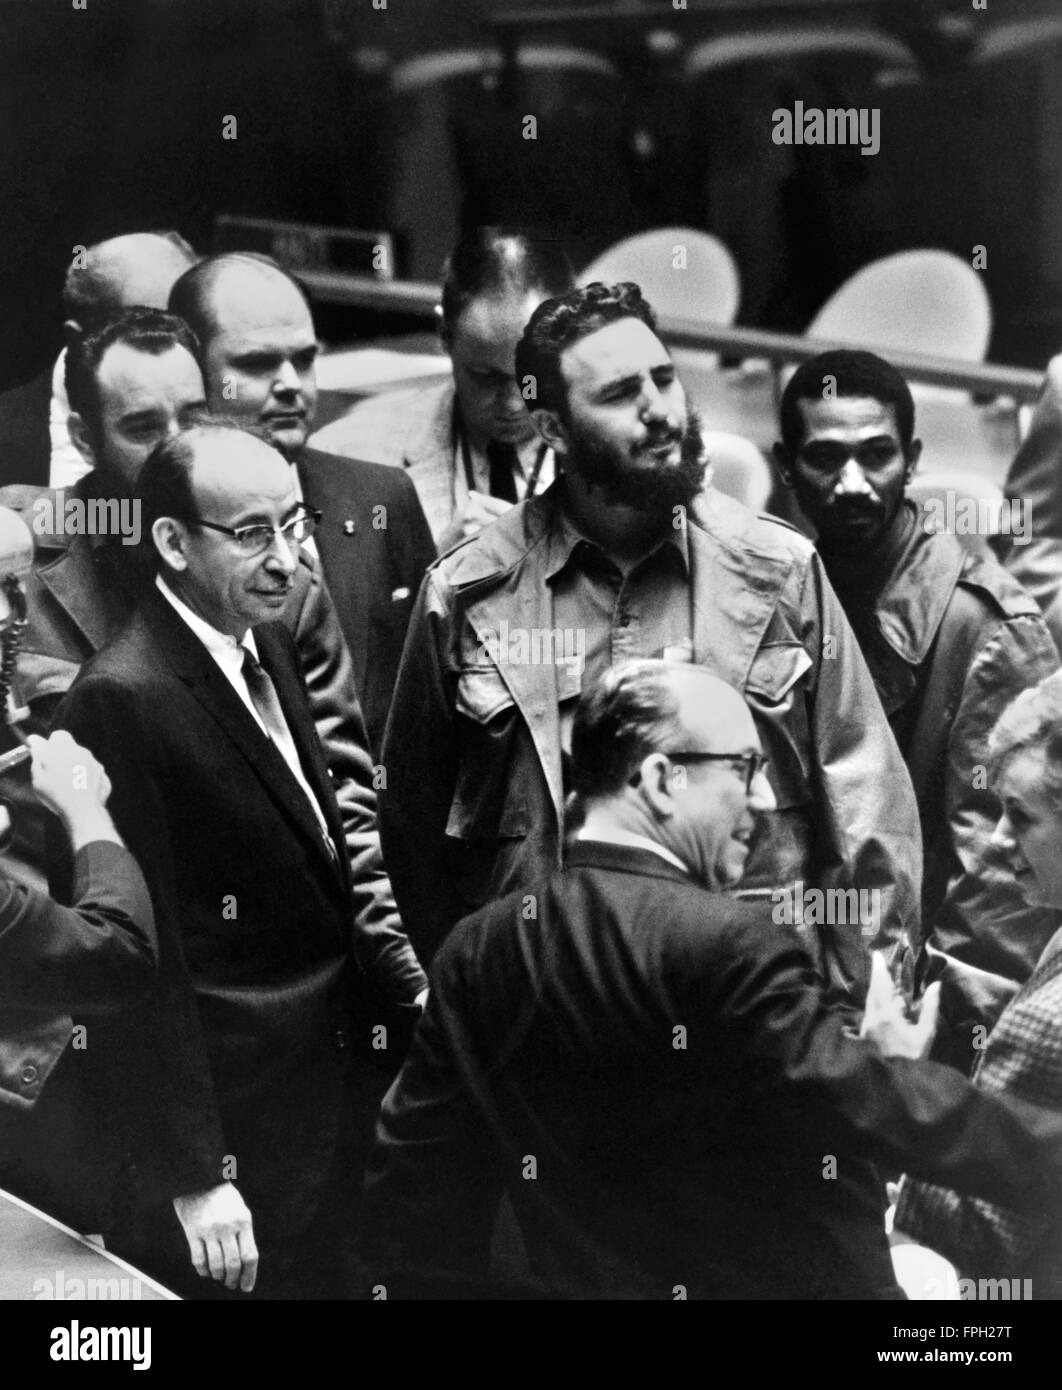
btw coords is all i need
(531, 664)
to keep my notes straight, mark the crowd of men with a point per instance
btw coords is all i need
(477, 751)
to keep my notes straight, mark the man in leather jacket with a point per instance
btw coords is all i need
(950, 638)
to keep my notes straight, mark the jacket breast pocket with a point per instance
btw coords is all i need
(487, 804)
(775, 689)
(775, 670)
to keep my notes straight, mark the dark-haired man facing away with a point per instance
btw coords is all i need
(624, 557)
(950, 639)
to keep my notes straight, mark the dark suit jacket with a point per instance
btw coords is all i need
(651, 1072)
(93, 958)
(374, 545)
(79, 596)
(242, 1049)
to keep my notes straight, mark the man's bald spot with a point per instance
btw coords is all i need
(122, 253)
(137, 268)
(238, 275)
(713, 713)
(230, 456)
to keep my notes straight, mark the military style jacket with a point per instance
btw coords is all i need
(1034, 479)
(951, 639)
(474, 801)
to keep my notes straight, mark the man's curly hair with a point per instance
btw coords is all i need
(557, 323)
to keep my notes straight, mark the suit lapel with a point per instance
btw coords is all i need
(198, 670)
(429, 460)
(307, 744)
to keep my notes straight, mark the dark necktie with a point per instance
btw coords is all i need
(266, 701)
(503, 461)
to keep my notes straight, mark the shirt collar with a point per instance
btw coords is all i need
(627, 837)
(224, 649)
(565, 537)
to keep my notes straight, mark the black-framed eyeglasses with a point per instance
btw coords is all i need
(753, 763)
(253, 540)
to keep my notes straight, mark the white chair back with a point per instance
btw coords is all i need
(929, 302)
(682, 272)
(1023, 38)
(789, 44)
(738, 468)
(430, 69)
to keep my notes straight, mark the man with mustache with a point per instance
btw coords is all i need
(257, 352)
(627, 551)
(950, 639)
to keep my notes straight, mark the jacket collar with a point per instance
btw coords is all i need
(623, 859)
(431, 434)
(68, 566)
(911, 604)
(75, 583)
(565, 537)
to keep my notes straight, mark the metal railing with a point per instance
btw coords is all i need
(780, 349)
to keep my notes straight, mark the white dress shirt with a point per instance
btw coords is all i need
(228, 653)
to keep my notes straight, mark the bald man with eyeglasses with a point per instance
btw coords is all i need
(241, 1095)
(650, 1069)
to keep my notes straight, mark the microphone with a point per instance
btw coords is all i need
(16, 561)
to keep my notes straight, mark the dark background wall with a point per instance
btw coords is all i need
(111, 120)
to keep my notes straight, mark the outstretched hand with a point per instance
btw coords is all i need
(885, 1021)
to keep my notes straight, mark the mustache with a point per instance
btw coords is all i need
(657, 489)
(866, 505)
(666, 436)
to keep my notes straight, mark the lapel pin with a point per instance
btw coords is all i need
(348, 526)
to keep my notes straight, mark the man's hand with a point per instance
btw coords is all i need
(220, 1235)
(70, 782)
(478, 511)
(885, 1021)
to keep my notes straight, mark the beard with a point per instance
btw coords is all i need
(858, 527)
(652, 485)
